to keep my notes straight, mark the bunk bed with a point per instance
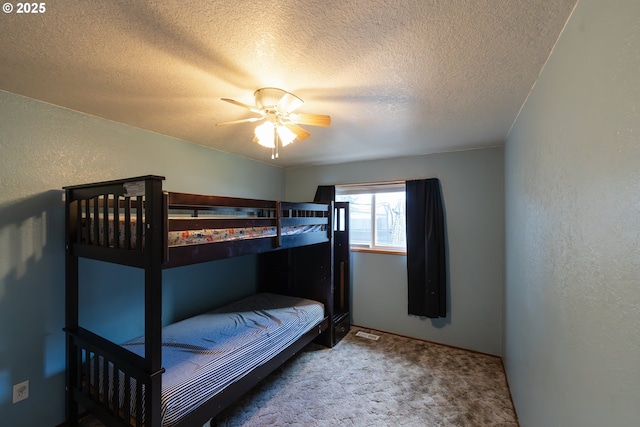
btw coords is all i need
(134, 222)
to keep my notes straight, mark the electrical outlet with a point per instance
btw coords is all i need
(20, 391)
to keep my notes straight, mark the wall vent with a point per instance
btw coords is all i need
(367, 336)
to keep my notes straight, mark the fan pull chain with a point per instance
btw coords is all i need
(276, 139)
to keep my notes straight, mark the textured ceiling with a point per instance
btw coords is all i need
(398, 78)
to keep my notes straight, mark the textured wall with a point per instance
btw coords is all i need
(39, 144)
(472, 185)
(572, 340)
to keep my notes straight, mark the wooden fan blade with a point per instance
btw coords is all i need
(241, 104)
(288, 103)
(301, 134)
(310, 119)
(235, 122)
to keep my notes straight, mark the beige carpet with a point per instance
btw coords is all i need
(394, 381)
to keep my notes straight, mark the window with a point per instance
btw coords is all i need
(376, 216)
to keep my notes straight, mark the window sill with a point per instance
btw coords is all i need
(378, 251)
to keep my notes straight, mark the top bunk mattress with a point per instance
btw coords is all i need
(204, 354)
(200, 236)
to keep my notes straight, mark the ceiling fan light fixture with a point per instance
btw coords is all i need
(265, 135)
(285, 135)
(288, 103)
(271, 98)
(280, 127)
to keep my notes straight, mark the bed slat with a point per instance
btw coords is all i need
(138, 404)
(278, 226)
(127, 394)
(116, 224)
(139, 223)
(92, 356)
(94, 221)
(105, 219)
(127, 223)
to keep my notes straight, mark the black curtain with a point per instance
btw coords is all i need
(426, 263)
(325, 193)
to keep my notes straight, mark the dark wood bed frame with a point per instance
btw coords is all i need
(298, 265)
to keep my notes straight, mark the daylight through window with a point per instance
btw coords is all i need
(376, 216)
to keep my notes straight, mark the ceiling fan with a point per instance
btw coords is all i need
(276, 107)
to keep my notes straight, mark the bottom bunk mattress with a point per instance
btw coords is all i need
(204, 354)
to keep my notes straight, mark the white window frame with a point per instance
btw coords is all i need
(373, 189)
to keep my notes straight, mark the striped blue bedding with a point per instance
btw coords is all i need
(204, 354)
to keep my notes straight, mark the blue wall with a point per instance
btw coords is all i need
(473, 192)
(189, 290)
(45, 148)
(572, 173)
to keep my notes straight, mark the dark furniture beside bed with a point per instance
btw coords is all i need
(133, 222)
(280, 272)
(341, 319)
